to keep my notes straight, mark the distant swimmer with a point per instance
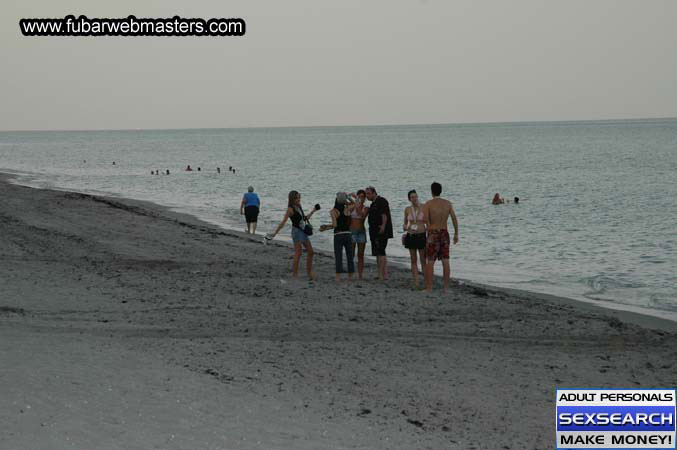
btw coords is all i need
(113, 162)
(437, 213)
(497, 200)
(230, 168)
(218, 170)
(152, 173)
(157, 172)
(233, 171)
(167, 171)
(188, 168)
(516, 200)
(199, 169)
(249, 207)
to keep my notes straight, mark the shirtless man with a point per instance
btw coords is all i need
(437, 212)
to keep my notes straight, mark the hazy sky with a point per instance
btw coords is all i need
(315, 62)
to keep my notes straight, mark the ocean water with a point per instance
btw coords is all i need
(598, 200)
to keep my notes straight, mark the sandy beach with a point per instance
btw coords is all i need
(126, 326)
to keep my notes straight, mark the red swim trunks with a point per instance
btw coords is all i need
(438, 245)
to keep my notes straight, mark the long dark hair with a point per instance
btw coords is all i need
(292, 198)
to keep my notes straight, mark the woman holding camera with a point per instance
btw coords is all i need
(300, 232)
(340, 222)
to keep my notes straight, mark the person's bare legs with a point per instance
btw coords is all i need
(382, 267)
(309, 259)
(414, 265)
(297, 257)
(422, 258)
(446, 274)
(253, 228)
(429, 275)
(360, 259)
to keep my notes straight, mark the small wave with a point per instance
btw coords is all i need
(601, 284)
(651, 259)
(662, 301)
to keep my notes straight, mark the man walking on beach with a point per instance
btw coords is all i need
(437, 212)
(380, 229)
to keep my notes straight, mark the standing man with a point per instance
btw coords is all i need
(437, 212)
(249, 207)
(380, 229)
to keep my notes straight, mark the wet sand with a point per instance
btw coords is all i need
(125, 325)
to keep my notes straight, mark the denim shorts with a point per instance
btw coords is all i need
(359, 237)
(297, 235)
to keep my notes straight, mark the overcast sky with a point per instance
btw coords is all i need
(344, 62)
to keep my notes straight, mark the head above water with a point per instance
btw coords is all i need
(370, 192)
(436, 189)
(294, 199)
(517, 199)
(250, 189)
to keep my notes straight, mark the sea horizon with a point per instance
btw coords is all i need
(377, 125)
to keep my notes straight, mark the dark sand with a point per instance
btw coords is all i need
(123, 325)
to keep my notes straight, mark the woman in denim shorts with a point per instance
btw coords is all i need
(298, 235)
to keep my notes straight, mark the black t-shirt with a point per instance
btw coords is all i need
(377, 208)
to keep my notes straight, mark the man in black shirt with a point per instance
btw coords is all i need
(380, 229)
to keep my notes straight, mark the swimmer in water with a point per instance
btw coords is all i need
(497, 200)
(188, 168)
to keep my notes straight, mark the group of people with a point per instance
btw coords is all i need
(498, 200)
(425, 227)
(188, 169)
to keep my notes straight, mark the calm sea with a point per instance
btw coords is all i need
(596, 218)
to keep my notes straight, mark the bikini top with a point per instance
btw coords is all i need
(355, 214)
(415, 215)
